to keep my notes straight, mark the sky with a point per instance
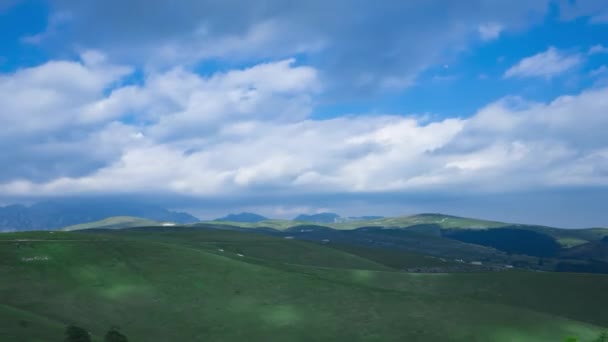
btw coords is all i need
(485, 108)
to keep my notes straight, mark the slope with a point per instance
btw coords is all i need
(250, 245)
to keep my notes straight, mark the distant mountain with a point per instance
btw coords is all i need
(319, 218)
(242, 217)
(61, 213)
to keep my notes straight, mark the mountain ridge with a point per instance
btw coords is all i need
(55, 214)
(243, 217)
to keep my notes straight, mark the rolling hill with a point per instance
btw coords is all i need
(436, 222)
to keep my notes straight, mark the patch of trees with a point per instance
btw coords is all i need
(510, 240)
(590, 266)
(77, 334)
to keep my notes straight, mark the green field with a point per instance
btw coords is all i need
(191, 285)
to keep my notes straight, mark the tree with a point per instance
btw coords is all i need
(76, 334)
(114, 336)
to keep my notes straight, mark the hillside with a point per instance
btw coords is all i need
(434, 223)
(596, 250)
(318, 218)
(158, 285)
(329, 220)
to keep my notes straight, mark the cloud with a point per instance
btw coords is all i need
(248, 131)
(546, 64)
(490, 31)
(52, 95)
(44, 118)
(371, 47)
(594, 9)
(597, 49)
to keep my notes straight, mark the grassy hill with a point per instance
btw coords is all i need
(115, 222)
(444, 221)
(156, 284)
(565, 237)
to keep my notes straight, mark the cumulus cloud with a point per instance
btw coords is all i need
(49, 96)
(249, 130)
(546, 64)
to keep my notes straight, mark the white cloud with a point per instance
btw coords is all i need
(597, 49)
(546, 64)
(490, 31)
(52, 95)
(248, 131)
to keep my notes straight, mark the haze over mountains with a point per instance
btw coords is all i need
(242, 217)
(323, 217)
(66, 212)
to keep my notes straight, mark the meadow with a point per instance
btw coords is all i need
(217, 285)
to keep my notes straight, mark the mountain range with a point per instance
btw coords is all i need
(242, 217)
(66, 212)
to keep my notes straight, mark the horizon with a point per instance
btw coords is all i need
(478, 110)
(219, 214)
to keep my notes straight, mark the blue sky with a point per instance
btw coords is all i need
(481, 108)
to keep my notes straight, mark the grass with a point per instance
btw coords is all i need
(254, 246)
(22, 326)
(395, 259)
(164, 286)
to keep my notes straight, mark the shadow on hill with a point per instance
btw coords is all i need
(423, 239)
(508, 239)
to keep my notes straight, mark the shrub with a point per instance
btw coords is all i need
(76, 334)
(114, 336)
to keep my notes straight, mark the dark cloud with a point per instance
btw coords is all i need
(358, 45)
